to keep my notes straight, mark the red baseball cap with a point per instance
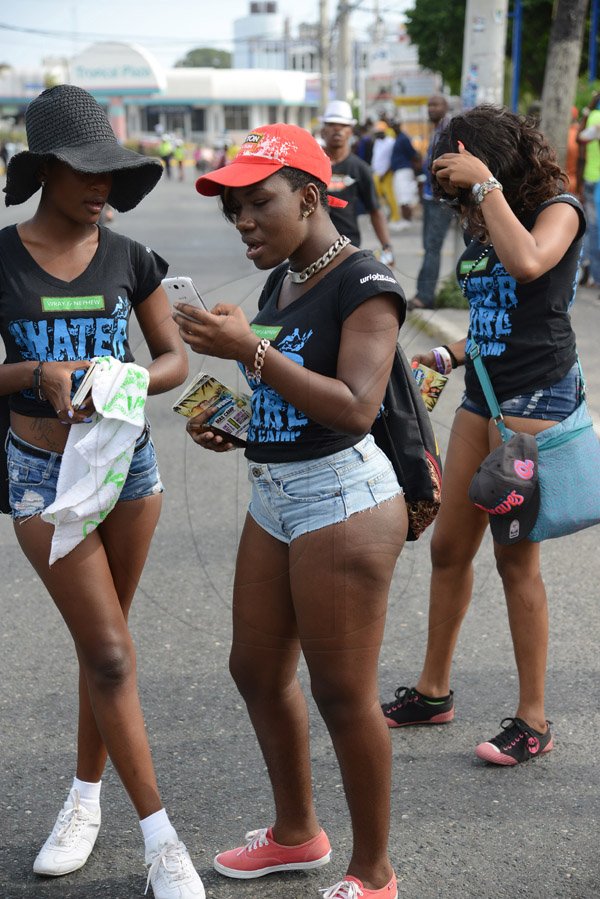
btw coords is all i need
(265, 151)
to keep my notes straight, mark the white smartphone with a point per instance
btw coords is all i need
(85, 386)
(183, 290)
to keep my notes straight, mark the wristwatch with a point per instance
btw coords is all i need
(481, 190)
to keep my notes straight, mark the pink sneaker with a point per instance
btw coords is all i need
(352, 888)
(262, 855)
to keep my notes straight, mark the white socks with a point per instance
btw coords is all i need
(157, 829)
(89, 793)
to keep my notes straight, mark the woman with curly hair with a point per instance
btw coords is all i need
(518, 273)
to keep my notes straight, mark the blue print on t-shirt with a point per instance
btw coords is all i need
(274, 420)
(491, 297)
(66, 339)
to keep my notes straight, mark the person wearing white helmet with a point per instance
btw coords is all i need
(351, 179)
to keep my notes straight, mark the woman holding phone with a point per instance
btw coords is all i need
(67, 289)
(327, 518)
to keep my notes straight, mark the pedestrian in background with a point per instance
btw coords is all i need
(436, 216)
(404, 161)
(518, 274)
(179, 157)
(589, 134)
(363, 146)
(90, 280)
(381, 163)
(351, 179)
(165, 151)
(327, 519)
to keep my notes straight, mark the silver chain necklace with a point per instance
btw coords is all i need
(312, 269)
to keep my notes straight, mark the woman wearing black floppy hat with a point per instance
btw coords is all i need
(67, 289)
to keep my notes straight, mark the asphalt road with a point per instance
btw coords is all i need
(460, 829)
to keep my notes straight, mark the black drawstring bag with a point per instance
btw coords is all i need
(404, 432)
(4, 426)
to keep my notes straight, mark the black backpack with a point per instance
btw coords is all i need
(404, 432)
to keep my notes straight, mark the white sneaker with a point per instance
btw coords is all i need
(72, 839)
(398, 227)
(172, 874)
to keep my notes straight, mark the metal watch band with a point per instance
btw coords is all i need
(481, 190)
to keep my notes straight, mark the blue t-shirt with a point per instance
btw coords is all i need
(403, 153)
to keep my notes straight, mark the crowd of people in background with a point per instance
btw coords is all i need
(394, 187)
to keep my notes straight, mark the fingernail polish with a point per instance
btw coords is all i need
(70, 413)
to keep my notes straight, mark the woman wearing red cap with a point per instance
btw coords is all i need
(327, 519)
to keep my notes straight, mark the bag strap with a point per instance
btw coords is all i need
(488, 390)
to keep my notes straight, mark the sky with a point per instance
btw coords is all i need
(168, 29)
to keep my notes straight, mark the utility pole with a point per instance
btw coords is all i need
(483, 54)
(324, 45)
(343, 51)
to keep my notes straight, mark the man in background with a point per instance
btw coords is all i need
(351, 179)
(384, 139)
(403, 163)
(436, 216)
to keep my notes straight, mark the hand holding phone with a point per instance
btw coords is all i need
(85, 386)
(183, 290)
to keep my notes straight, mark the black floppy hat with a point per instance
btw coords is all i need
(66, 123)
(506, 485)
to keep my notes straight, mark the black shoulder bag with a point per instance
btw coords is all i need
(404, 432)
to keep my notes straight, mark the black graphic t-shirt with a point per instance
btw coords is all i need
(308, 331)
(43, 318)
(523, 331)
(351, 180)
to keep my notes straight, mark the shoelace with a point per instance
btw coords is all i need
(403, 695)
(345, 889)
(515, 730)
(174, 859)
(254, 840)
(70, 819)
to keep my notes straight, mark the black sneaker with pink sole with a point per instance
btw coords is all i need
(517, 743)
(411, 707)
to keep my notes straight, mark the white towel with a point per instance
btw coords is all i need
(98, 454)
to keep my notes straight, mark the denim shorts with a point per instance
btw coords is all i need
(292, 498)
(33, 475)
(554, 403)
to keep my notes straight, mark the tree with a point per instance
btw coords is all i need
(535, 31)
(437, 30)
(205, 58)
(562, 67)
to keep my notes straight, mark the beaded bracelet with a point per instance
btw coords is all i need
(37, 382)
(259, 359)
(443, 360)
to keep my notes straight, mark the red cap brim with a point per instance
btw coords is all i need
(242, 172)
